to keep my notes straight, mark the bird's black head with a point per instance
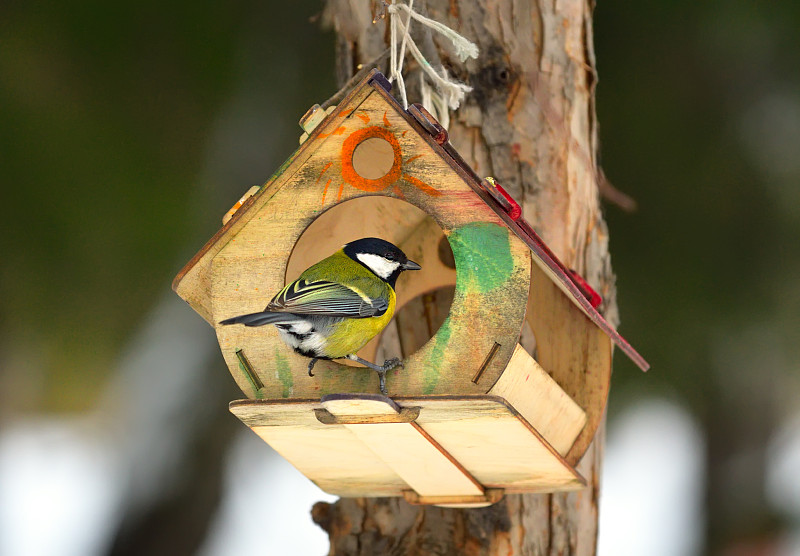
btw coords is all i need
(384, 259)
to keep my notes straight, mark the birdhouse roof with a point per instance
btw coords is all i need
(492, 194)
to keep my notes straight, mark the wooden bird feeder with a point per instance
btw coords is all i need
(472, 414)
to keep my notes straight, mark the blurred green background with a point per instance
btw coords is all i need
(129, 129)
(108, 111)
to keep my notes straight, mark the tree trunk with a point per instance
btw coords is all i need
(529, 122)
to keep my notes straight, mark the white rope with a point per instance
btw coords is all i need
(434, 103)
(449, 93)
(396, 62)
(452, 91)
(464, 47)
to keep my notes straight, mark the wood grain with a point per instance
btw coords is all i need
(574, 352)
(537, 397)
(422, 464)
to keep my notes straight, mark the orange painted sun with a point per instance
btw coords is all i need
(372, 160)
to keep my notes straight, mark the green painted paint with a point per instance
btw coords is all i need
(483, 256)
(361, 378)
(284, 374)
(434, 363)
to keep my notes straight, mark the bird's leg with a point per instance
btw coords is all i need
(311, 365)
(388, 365)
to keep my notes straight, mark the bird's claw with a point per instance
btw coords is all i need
(382, 381)
(392, 363)
(388, 365)
(311, 366)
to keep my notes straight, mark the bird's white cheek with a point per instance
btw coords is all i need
(377, 264)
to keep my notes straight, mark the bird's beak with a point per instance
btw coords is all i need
(410, 265)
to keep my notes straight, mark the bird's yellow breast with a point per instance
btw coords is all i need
(351, 335)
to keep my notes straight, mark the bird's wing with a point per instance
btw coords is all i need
(331, 299)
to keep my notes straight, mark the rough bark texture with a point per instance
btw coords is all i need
(529, 122)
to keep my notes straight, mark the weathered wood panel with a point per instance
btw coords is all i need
(573, 351)
(248, 262)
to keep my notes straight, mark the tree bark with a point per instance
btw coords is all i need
(529, 122)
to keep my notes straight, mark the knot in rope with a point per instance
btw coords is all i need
(448, 92)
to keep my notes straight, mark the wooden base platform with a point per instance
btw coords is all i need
(445, 450)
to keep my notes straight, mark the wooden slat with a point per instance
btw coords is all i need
(422, 464)
(495, 444)
(489, 497)
(342, 405)
(406, 448)
(538, 398)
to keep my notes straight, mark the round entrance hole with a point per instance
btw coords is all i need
(423, 296)
(373, 158)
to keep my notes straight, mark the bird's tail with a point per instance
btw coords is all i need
(261, 318)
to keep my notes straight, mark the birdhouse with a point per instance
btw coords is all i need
(471, 414)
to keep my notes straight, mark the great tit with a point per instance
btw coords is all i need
(339, 304)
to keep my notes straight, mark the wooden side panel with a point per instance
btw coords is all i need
(573, 351)
(194, 281)
(537, 397)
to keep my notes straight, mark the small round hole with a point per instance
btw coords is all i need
(373, 158)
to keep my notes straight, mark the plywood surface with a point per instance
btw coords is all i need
(573, 351)
(485, 438)
(537, 397)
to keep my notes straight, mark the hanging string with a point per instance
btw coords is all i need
(396, 62)
(464, 47)
(434, 103)
(449, 93)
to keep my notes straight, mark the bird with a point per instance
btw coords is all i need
(339, 304)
